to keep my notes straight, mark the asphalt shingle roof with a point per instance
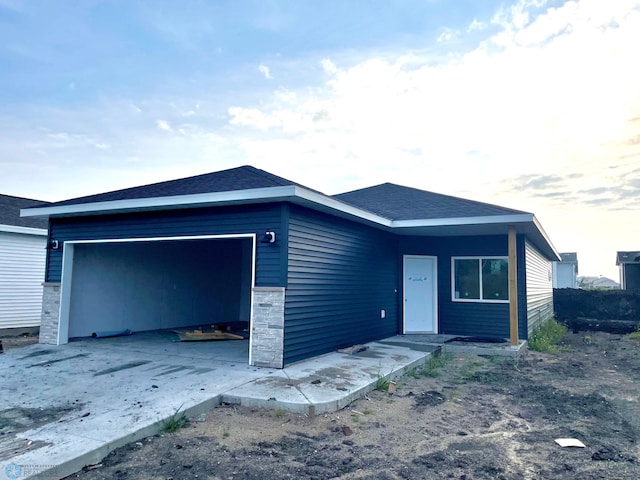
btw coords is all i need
(628, 257)
(392, 201)
(10, 212)
(239, 178)
(397, 202)
(569, 257)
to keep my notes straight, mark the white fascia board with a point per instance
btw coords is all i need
(24, 230)
(198, 199)
(538, 225)
(442, 222)
(291, 193)
(288, 192)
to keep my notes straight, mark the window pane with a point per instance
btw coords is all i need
(467, 279)
(495, 279)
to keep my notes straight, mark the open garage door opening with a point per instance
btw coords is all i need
(144, 285)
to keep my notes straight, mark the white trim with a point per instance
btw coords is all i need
(436, 322)
(486, 220)
(253, 284)
(25, 230)
(65, 294)
(479, 258)
(268, 193)
(289, 192)
(67, 271)
(538, 225)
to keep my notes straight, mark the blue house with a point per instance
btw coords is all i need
(305, 272)
(629, 266)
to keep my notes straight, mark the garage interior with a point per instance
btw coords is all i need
(161, 285)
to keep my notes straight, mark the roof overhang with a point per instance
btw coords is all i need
(525, 223)
(290, 193)
(23, 230)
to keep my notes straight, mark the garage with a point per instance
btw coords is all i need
(146, 284)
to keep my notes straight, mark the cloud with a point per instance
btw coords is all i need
(559, 195)
(595, 191)
(556, 98)
(542, 182)
(603, 201)
(635, 140)
(253, 117)
(517, 15)
(476, 25)
(163, 125)
(577, 189)
(329, 67)
(265, 71)
(447, 35)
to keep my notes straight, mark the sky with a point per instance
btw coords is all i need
(529, 104)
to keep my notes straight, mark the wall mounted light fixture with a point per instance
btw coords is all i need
(269, 237)
(54, 244)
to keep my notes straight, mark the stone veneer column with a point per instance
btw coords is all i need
(267, 330)
(50, 317)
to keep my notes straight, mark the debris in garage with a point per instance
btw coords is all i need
(112, 333)
(216, 332)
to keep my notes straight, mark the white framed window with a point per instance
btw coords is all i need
(480, 279)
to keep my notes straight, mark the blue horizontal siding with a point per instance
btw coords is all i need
(176, 223)
(461, 318)
(631, 276)
(340, 275)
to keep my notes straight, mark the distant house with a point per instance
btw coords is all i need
(597, 283)
(22, 263)
(604, 282)
(629, 266)
(565, 272)
(306, 273)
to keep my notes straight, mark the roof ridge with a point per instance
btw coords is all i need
(24, 198)
(443, 195)
(162, 182)
(244, 177)
(265, 174)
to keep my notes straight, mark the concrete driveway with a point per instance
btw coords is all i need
(66, 407)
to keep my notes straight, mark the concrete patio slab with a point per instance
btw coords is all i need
(66, 407)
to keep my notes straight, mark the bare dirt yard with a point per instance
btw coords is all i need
(462, 417)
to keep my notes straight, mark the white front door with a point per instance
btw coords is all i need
(420, 294)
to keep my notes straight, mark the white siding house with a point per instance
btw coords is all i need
(565, 273)
(22, 262)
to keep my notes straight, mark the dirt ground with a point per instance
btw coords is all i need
(471, 418)
(11, 341)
